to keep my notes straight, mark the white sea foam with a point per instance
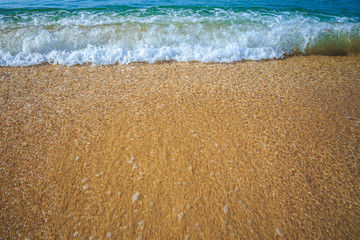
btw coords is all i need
(79, 37)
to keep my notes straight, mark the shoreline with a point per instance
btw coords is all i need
(254, 149)
(159, 62)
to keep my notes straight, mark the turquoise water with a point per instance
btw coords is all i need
(107, 32)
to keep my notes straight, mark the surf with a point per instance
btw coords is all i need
(205, 34)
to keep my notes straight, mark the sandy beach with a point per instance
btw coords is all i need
(247, 150)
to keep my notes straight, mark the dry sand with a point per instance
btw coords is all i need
(249, 150)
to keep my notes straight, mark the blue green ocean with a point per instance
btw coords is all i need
(107, 32)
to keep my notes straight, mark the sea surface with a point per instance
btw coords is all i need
(106, 32)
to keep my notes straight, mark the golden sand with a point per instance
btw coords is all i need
(249, 150)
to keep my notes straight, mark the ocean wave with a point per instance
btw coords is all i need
(156, 34)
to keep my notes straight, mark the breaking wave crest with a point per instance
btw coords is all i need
(183, 34)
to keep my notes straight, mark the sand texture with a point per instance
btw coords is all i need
(248, 150)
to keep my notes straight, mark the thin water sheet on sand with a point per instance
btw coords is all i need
(181, 150)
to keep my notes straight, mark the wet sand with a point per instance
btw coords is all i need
(248, 150)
